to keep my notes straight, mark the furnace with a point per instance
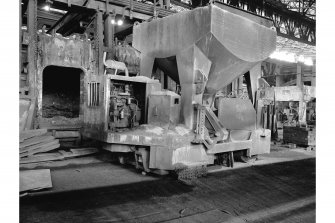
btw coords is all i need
(61, 92)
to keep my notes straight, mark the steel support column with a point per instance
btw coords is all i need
(20, 39)
(299, 75)
(313, 74)
(302, 103)
(32, 47)
(99, 38)
(255, 73)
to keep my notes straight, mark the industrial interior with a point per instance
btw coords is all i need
(167, 111)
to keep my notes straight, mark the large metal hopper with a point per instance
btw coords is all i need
(210, 41)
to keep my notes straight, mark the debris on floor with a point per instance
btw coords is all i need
(36, 146)
(99, 157)
(36, 141)
(27, 111)
(59, 155)
(32, 180)
(31, 133)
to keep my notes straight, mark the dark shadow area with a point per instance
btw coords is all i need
(239, 191)
(164, 186)
(295, 215)
(61, 92)
(166, 71)
(298, 174)
(102, 156)
(169, 66)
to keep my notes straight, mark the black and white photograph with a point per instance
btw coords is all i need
(151, 111)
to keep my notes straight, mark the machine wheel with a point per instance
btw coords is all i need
(247, 159)
(190, 174)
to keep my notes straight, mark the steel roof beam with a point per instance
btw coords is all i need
(141, 11)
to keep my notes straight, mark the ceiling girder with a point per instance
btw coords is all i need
(288, 23)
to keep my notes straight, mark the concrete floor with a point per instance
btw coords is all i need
(280, 187)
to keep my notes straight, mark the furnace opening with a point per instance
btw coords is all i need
(61, 92)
